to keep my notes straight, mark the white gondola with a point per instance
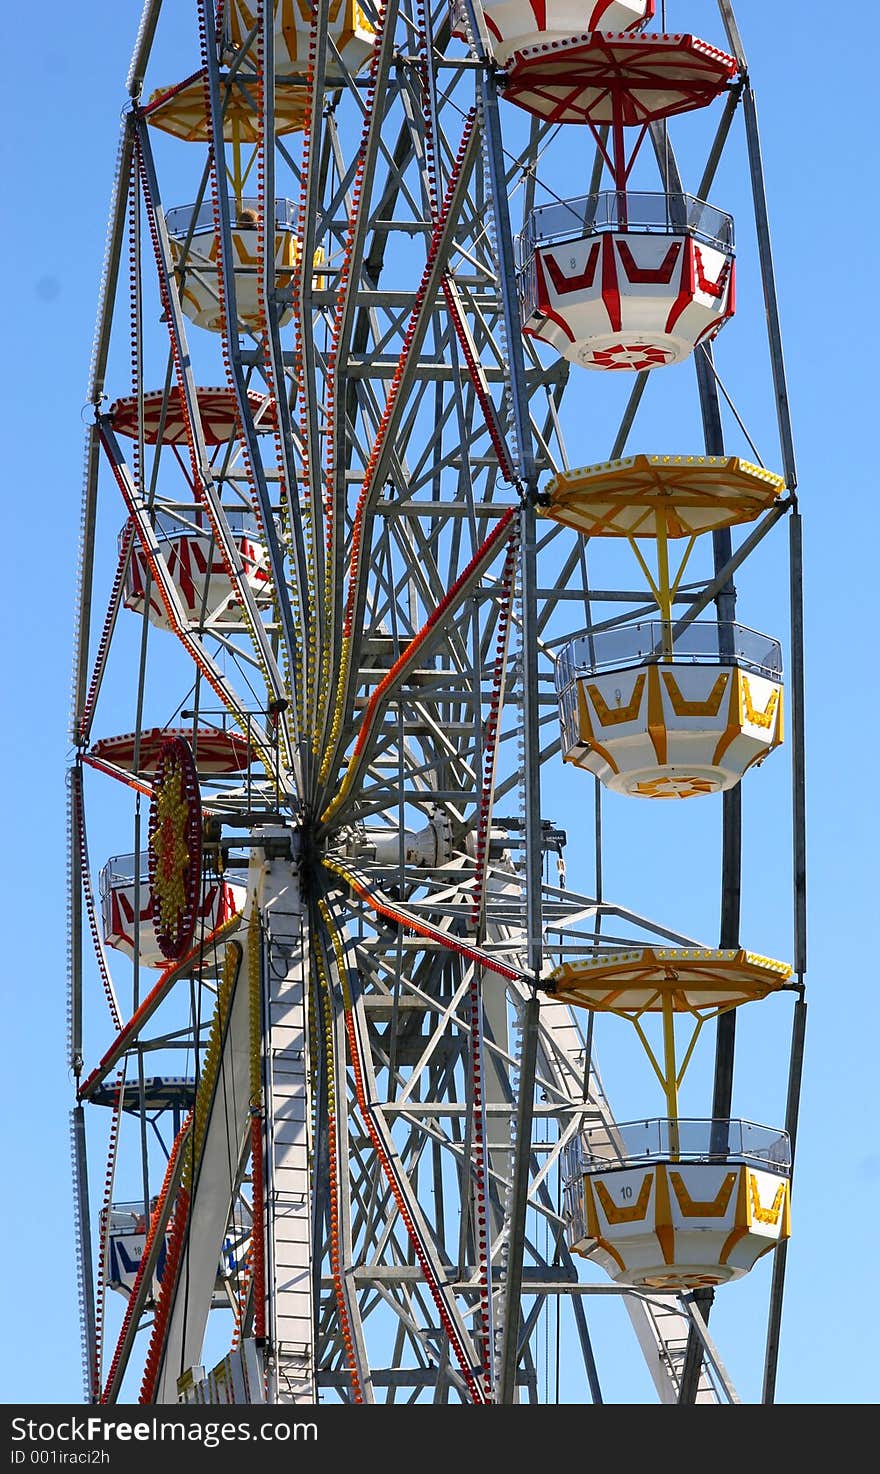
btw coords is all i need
(347, 28)
(670, 726)
(626, 281)
(514, 24)
(195, 249)
(126, 1238)
(219, 901)
(677, 1205)
(197, 568)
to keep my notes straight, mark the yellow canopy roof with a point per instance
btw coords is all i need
(694, 979)
(183, 110)
(691, 494)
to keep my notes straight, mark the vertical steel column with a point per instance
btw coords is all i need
(731, 857)
(109, 280)
(796, 704)
(82, 1219)
(771, 305)
(799, 885)
(74, 821)
(344, 1150)
(85, 1272)
(774, 1319)
(510, 1317)
(798, 775)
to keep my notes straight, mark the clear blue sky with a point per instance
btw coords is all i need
(62, 100)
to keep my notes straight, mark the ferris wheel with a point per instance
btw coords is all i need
(384, 594)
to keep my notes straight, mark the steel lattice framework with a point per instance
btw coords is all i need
(355, 1069)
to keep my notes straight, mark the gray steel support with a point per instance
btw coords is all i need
(142, 47)
(511, 1289)
(75, 903)
(799, 888)
(510, 1318)
(83, 1221)
(699, 1325)
(783, 412)
(113, 257)
(309, 379)
(512, 1282)
(798, 767)
(349, 1281)
(109, 283)
(777, 1284)
(771, 304)
(731, 859)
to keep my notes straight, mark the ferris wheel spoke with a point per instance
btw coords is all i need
(407, 1203)
(458, 657)
(112, 260)
(418, 647)
(207, 1188)
(382, 450)
(304, 522)
(142, 1287)
(205, 482)
(352, 246)
(84, 721)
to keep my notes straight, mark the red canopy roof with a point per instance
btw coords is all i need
(606, 78)
(215, 751)
(218, 410)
